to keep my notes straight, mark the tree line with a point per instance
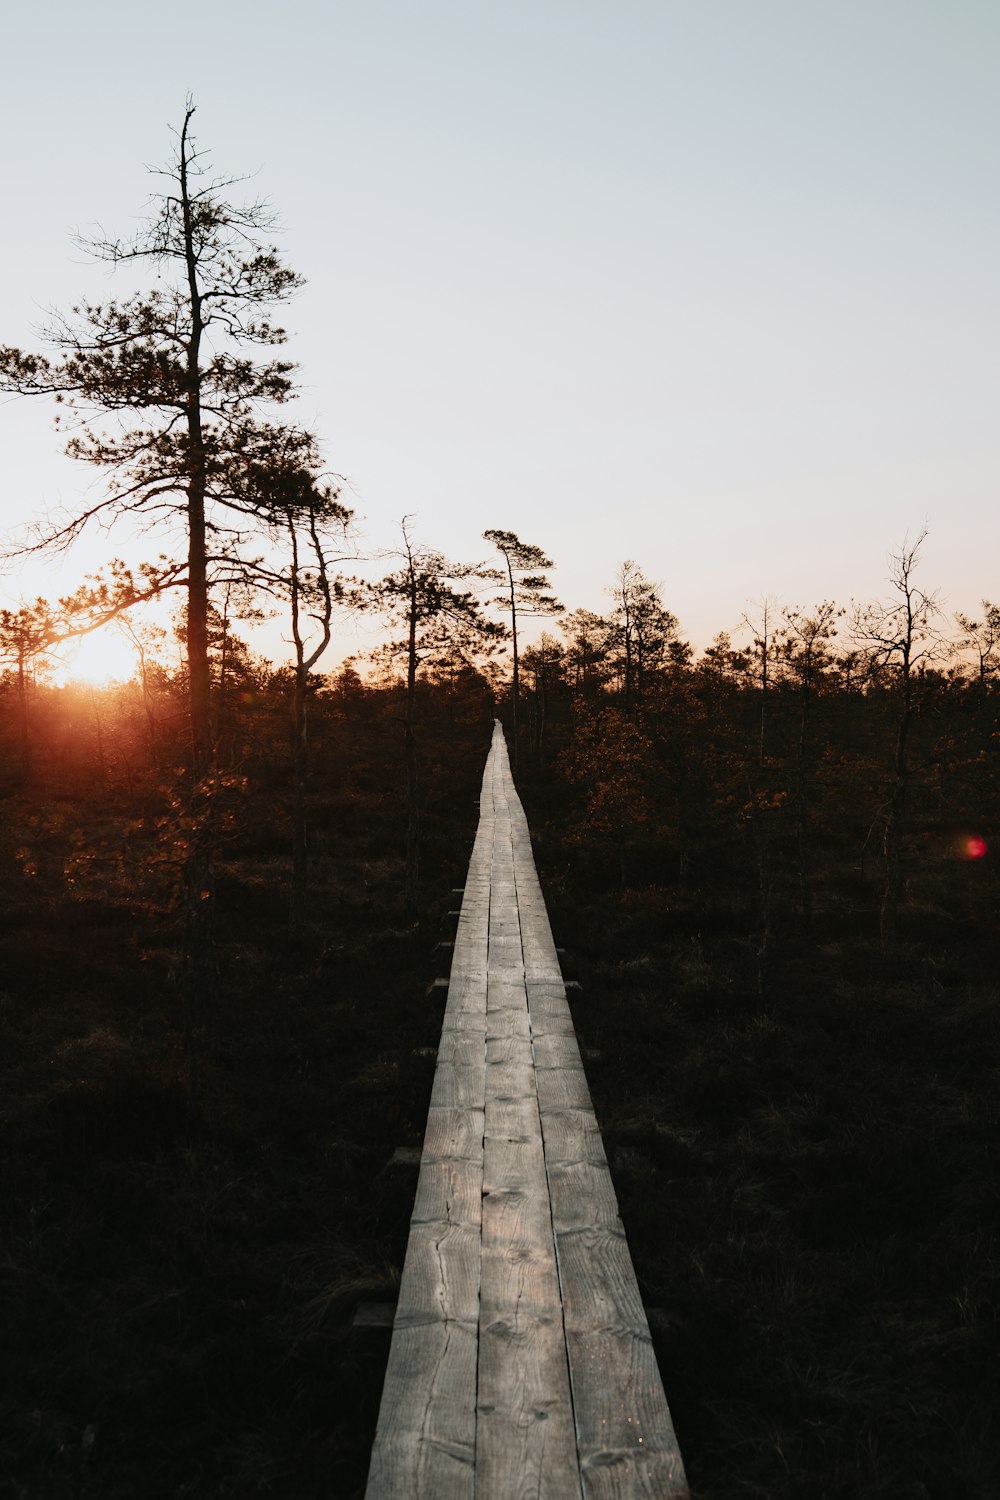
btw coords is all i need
(177, 391)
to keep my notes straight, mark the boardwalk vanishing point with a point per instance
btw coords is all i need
(521, 1362)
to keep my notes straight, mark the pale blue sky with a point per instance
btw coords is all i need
(711, 284)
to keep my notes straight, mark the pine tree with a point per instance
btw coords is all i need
(163, 389)
(525, 594)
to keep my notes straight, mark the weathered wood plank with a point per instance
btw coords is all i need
(440, 1280)
(556, 1049)
(521, 1362)
(526, 1439)
(582, 1195)
(626, 1438)
(455, 1133)
(466, 991)
(571, 1135)
(502, 993)
(505, 955)
(508, 1021)
(562, 1088)
(462, 1047)
(450, 1191)
(458, 1087)
(513, 1119)
(546, 996)
(425, 1444)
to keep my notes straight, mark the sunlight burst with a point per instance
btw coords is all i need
(98, 659)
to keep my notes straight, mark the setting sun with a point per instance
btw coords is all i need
(97, 660)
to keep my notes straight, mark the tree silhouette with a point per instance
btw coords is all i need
(27, 635)
(982, 638)
(525, 595)
(804, 654)
(641, 629)
(314, 528)
(163, 389)
(166, 396)
(438, 620)
(900, 635)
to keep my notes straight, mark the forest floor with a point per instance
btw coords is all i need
(806, 1163)
(807, 1169)
(179, 1283)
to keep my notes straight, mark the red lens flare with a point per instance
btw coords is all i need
(974, 847)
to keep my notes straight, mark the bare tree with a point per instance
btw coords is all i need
(762, 632)
(424, 598)
(314, 529)
(899, 635)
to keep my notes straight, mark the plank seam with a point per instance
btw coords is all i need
(548, 1189)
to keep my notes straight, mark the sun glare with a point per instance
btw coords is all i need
(97, 660)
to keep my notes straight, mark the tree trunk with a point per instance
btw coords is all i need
(515, 687)
(300, 749)
(543, 706)
(892, 845)
(22, 714)
(412, 807)
(802, 818)
(198, 926)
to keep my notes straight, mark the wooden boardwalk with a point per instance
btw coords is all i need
(521, 1362)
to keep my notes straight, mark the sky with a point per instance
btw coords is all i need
(707, 284)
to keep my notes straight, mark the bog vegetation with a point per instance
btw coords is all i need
(770, 864)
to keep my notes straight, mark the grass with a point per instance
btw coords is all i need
(807, 1178)
(805, 1153)
(179, 1283)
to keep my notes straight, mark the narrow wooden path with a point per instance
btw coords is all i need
(521, 1362)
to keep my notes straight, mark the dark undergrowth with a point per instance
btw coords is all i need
(806, 1161)
(803, 1140)
(179, 1279)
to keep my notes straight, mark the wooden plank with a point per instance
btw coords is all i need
(546, 996)
(508, 1021)
(537, 943)
(571, 1135)
(440, 1280)
(526, 1439)
(512, 1119)
(501, 993)
(458, 1087)
(627, 1446)
(505, 955)
(450, 1191)
(455, 1133)
(626, 1437)
(511, 1080)
(458, 1018)
(555, 1024)
(425, 1443)
(582, 1195)
(463, 1047)
(556, 1049)
(466, 991)
(561, 1088)
(521, 1362)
